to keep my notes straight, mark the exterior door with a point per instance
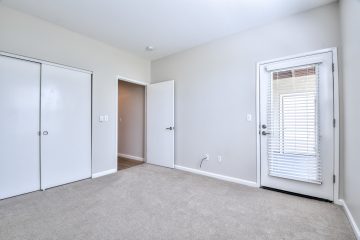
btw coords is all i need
(160, 124)
(65, 126)
(19, 124)
(296, 125)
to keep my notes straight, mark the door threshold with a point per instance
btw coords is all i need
(296, 194)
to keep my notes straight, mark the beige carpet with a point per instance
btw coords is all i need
(149, 202)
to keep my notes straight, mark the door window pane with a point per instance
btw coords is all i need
(293, 123)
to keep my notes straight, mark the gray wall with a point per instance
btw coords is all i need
(215, 88)
(29, 36)
(131, 119)
(350, 25)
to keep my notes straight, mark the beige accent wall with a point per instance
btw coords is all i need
(131, 119)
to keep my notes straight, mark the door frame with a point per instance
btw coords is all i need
(336, 105)
(137, 82)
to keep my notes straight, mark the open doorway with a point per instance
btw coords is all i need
(131, 124)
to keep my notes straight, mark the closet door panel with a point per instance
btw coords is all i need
(66, 126)
(19, 126)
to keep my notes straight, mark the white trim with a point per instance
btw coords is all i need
(126, 79)
(217, 176)
(258, 127)
(43, 62)
(145, 84)
(337, 127)
(351, 219)
(295, 62)
(336, 114)
(103, 173)
(141, 159)
(297, 55)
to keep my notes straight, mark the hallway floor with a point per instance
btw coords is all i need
(124, 163)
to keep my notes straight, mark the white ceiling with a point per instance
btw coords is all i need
(169, 25)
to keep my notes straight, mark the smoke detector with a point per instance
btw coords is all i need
(149, 48)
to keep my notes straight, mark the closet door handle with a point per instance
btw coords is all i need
(45, 132)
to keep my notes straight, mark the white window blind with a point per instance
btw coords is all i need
(293, 124)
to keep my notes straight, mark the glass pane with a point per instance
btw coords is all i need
(293, 143)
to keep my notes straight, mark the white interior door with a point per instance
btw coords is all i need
(297, 133)
(19, 122)
(160, 124)
(65, 126)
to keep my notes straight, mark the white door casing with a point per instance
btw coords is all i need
(323, 63)
(19, 121)
(160, 124)
(65, 126)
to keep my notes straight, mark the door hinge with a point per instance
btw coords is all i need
(334, 178)
(333, 67)
(334, 122)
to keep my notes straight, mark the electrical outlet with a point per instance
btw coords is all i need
(219, 158)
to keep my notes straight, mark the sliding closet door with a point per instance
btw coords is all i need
(19, 126)
(65, 126)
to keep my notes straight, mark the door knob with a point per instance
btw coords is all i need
(169, 128)
(45, 132)
(265, 133)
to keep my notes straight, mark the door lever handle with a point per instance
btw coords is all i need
(265, 133)
(170, 128)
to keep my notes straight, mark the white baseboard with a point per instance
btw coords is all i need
(339, 202)
(103, 173)
(218, 176)
(131, 157)
(351, 219)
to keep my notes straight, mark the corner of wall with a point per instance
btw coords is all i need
(351, 218)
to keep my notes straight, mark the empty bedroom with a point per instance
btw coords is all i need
(207, 119)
